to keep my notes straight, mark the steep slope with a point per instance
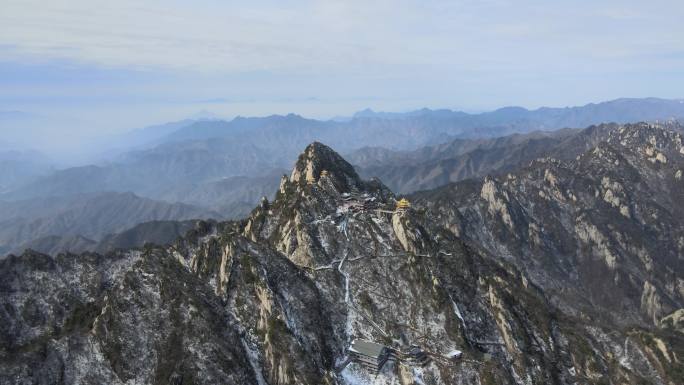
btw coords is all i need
(601, 234)
(192, 160)
(153, 172)
(433, 166)
(55, 244)
(278, 297)
(18, 167)
(449, 266)
(89, 215)
(124, 318)
(154, 232)
(207, 174)
(233, 197)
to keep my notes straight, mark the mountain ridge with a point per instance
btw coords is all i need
(87, 216)
(187, 171)
(279, 296)
(432, 166)
(502, 121)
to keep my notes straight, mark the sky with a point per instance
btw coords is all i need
(94, 67)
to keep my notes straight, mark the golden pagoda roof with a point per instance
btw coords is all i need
(403, 203)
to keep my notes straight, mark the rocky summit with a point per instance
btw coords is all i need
(562, 272)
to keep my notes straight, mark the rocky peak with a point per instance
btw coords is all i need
(323, 190)
(318, 162)
(500, 280)
(656, 141)
(610, 217)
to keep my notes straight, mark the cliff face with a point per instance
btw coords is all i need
(603, 230)
(477, 267)
(136, 317)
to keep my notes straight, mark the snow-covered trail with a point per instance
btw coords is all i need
(346, 276)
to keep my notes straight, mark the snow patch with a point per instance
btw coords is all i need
(253, 359)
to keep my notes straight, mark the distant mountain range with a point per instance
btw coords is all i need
(152, 232)
(434, 166)
(618, 111)
(83, 217)
(425, 126)
(217, 168)
(18, 167)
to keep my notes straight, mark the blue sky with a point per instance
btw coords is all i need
(104, 66)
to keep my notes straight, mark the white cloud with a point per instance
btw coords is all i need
(328, 36)
(137, 61)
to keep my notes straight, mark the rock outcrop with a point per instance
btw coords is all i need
(534, 278)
